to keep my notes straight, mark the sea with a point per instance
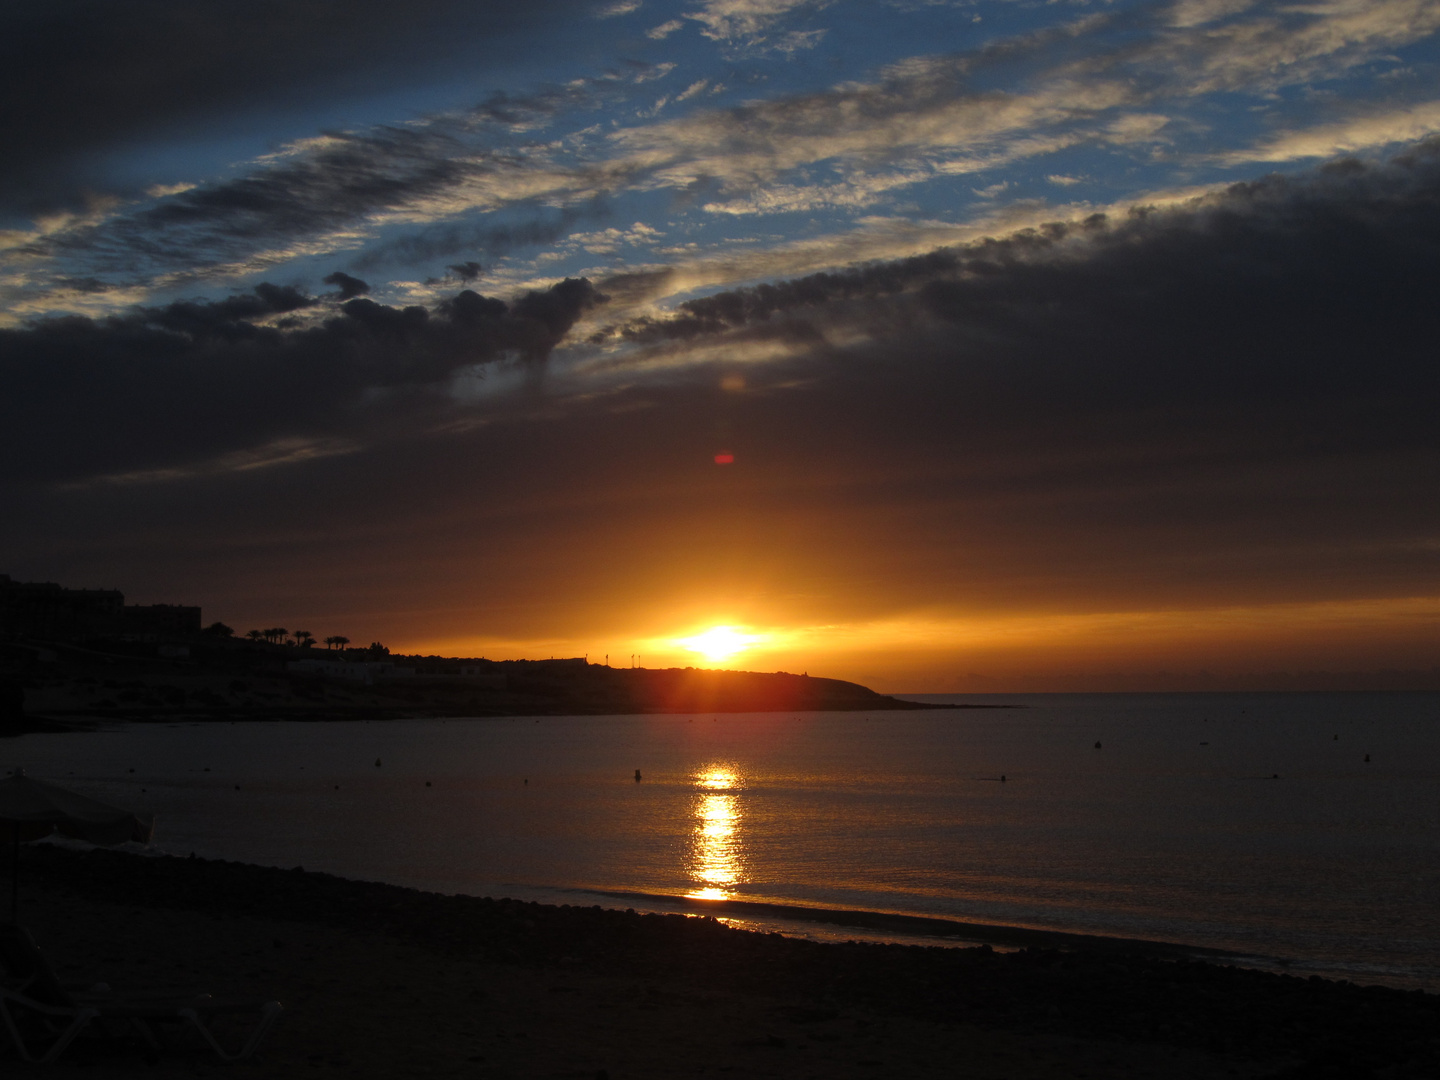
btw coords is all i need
(1299, 832)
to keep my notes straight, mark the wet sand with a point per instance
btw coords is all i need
(380, 981)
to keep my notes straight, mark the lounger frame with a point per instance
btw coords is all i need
(67, 1013)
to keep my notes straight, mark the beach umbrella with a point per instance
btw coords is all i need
(31, 809)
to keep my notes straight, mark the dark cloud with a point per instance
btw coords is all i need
(334, 182)
(349, 286)
(329, 186)
(1227, 402)
(204, 320)
(466, 271)
(1282, 294)
(167, 386)
(1230, 398)
(739, 307)
(81, 77)
(446, 239)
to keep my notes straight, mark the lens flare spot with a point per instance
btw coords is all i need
(724, 459)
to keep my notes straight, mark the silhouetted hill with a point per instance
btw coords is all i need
(596, 688)
(244, 680)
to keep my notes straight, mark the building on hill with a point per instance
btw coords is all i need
(43, 609)
(159, 620)
(370, 672)
(567, 665)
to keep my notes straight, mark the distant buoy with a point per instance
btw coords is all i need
(377, 762)
(637, 776)
(1097, 744)
(1367, 759)
(427, 783)
(1002, 778)
(1275, 776)
(527, 781)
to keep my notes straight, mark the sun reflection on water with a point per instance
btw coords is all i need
(716, 856)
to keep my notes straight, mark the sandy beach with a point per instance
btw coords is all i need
(380, 981)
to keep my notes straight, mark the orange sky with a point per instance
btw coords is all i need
(1196, 438)
(939, 654)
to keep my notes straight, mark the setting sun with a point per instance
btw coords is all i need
(719, 642)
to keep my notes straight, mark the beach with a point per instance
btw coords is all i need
(384, 981)
(1174, 832)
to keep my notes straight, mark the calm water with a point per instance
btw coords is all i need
(1173, 830)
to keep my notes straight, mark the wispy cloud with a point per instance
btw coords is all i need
(1284, 46)
(1364, 132)
(754, 144)
(1191, 13)
(1000, 314)
(1249, 218)
(131, 71)
(844, 149)
(281, 452)
(746, 21)
(693, 90)
(1213, 400)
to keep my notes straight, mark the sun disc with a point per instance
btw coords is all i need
(719, 642)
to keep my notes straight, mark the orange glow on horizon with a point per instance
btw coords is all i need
(940, 651)
(719, 643)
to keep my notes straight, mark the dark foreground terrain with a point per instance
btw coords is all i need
(381, 981)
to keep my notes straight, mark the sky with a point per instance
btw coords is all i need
(936, 345)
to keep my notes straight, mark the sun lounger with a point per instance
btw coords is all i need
(37, 1008)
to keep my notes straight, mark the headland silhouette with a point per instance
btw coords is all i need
(73, 655)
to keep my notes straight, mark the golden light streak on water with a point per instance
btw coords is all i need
(716, 862)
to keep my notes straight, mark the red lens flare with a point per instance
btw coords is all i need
(724, 459)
